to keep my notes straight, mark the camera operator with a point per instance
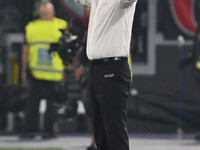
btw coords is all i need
(81, 70)
(45, 69)
(194, 57)
(196, 54)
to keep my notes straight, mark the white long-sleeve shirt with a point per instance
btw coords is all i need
(110, 26)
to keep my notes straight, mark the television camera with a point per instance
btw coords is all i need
(67, 47)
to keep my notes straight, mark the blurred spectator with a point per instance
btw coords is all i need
(194, 57)
(45, 70)
(196, 53)
(81, 66)
(139, 40)
(81, 63)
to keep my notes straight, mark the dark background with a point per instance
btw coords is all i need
(155, 107)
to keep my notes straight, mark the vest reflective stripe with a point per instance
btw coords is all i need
(51, 70)
(35, 43)
(42, 75)
(46, 70)
(39, 35)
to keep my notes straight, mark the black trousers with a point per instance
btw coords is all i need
(108, 92)
(40, 89)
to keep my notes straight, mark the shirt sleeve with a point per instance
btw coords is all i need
(127, 3)
(84, 2)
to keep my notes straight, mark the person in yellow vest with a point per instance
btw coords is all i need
(45, 70)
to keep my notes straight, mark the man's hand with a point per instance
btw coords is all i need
(78, 72)
(127, 3)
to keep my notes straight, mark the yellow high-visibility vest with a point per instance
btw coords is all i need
(39, 34)
(130, 65)
(197, 65)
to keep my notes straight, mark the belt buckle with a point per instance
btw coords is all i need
(116, 58)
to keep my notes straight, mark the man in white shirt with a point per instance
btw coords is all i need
(108, 45)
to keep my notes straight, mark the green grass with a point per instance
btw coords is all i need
(1, 148)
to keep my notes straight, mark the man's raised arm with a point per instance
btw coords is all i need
(127, 3)
(84, 2)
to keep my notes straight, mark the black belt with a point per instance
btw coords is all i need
(109, 59)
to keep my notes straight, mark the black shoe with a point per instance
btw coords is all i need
(197, 137)
(27, 135)
(91, 147)
(48, 135)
